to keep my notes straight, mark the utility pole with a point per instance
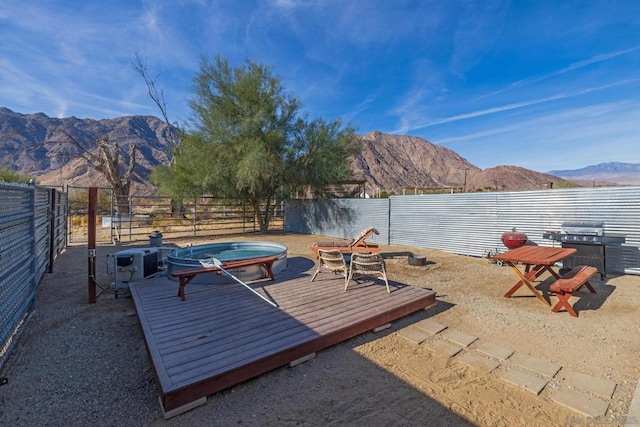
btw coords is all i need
(465, 180)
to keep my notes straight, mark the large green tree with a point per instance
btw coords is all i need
(251, 142)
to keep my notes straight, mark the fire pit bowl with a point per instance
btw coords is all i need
(514, 239)
(417, 260)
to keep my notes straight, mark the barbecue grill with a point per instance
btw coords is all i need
(589, 239)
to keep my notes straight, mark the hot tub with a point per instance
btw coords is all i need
(181, 259)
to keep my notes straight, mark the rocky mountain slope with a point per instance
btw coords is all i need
(35, 144)
(393, 162)
(514, 178)
(620, 173)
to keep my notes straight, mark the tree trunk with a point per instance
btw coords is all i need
(122, 200)
(178, 209)
(263, 218)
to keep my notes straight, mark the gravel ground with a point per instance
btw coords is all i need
(86, 364)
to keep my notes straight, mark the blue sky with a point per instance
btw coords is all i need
(539, 84)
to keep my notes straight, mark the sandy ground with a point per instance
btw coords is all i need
(81, 364)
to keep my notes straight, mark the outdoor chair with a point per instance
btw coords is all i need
(357, 244)
(331, 260)
(371, 265)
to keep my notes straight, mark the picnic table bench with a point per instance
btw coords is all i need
(185, 276)
(568, 283)
(537, 260)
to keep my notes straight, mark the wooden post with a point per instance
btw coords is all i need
(91, 244)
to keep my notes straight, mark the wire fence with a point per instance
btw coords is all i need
(37, 223)
(198, 216)
(32, 235)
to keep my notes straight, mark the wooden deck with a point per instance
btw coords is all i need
(223, 334)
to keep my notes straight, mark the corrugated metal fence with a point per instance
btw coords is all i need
(472, 223)
(32, 234)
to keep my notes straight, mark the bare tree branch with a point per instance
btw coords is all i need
(107, 162)
(86, 154)
(141, 67)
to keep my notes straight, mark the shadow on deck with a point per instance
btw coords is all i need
(222, 334)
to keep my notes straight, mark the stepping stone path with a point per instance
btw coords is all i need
(524, 379)
(581, 402)
(494, 350)
(430, 326)
(413, 334)
(479, 362)
(540, 366)
(443, 348)
(603, 388)
(459, 337)
(528, 372)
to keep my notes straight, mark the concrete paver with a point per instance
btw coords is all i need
(431, 326)
(575, 400)
(301, 360)
(382, 327)
(413, 334)
(543, 367)
(595, 385)
(581, 402)
(443, 347)
(494, 350)
(479, 362)
(181, 409)
(524, 379)
(459, 337)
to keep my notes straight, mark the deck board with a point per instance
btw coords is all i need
(222, 334)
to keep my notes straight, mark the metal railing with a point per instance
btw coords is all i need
(135, 217)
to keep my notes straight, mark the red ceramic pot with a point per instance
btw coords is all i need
(514, 239)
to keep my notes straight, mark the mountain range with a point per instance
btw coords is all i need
(613, 172)
(39, 145)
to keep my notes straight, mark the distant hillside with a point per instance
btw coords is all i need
(612, 172)
(513, 178)
(34, 144)
(392, 162)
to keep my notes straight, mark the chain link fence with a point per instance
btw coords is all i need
(33, 224)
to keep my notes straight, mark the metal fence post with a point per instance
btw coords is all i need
(52, 227)
(195, 214)
(91, 245)
(34, 247)
(112, 230)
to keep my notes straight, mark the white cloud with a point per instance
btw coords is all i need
(516, 105)
(572, 67)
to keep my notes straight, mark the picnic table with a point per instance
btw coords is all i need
(536, 260)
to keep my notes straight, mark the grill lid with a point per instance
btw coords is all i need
(588, 228)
